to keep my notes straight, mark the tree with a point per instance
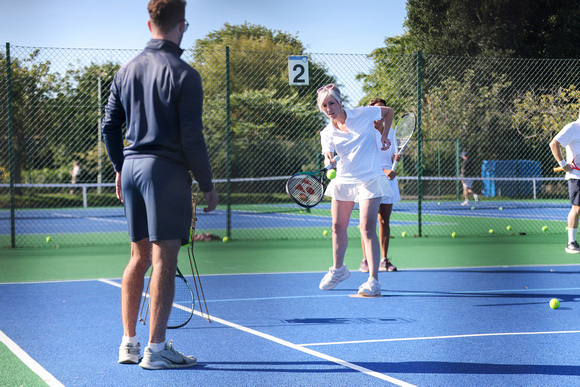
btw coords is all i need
(270, 121)
(495, 28)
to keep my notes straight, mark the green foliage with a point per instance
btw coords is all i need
(542, 116)
(492, 28)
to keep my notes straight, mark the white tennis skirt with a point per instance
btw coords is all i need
(396, 194)
(377, 187)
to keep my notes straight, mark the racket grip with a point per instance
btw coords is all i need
(394, 167)
(329, 166)
(558, 169)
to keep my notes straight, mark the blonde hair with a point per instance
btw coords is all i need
(329, 90)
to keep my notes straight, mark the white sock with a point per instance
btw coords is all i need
(156, 347)
(572, 234)
(129, 340)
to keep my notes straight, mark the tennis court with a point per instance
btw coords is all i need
(448, 317)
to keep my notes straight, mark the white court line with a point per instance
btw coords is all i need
(296, 347)
(30, 362)
(436, 338)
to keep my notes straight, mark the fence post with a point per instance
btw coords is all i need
(458, 190)
(419, 148)
(228, 146)
(10, 144)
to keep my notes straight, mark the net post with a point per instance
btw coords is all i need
(85, 196)
(10, 144)
(228, 147)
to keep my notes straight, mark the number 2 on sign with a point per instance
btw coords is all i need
(298, 70)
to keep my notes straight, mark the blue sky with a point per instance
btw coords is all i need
(322, 26)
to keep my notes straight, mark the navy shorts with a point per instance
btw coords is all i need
(157, 199)
(574, 191)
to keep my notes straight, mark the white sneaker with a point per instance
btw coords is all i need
(129, 354)
(465, 203)
(573, 248)
(476, 198)
(371, 288)
(333, 277)
(168, 358)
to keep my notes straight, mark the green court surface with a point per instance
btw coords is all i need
(70, 263)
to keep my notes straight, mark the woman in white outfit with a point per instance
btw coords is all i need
(360, 179)
(387, 158)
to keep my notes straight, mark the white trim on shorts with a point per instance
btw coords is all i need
(377, 187)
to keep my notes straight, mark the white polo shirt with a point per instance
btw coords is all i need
(569, 137)
(360, 158)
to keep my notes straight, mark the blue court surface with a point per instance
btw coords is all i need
(432, 327)
(81, 220)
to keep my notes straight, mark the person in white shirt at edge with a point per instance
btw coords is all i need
(386, 207)
(360, 178)
(569, 137)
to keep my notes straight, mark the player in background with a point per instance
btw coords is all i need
(160, 98)
(467, 172)
(386, 207)
(569, 137)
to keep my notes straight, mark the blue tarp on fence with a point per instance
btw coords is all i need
(510, 168)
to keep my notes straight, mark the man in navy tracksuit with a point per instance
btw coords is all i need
(160, 99)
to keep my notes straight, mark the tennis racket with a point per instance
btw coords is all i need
(573, 165)
(183, 303)
(307, 188)
(193, 263)
(403, 133)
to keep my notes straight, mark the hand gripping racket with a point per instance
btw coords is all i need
(403, 133)
(573, 164)
(306, 188)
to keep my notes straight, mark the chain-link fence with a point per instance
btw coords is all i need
(260, 130)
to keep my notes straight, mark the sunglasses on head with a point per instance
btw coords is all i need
(329, 87)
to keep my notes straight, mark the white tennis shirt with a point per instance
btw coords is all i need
(569, 137)
(360, 158)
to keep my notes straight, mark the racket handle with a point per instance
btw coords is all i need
(394, 167)
(336, 160)
(558, 169)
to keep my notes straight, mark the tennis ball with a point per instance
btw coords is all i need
(554, 303)
(47, 239)
(453, 234)
(325, 232)
(403, 234)
(501, 208)
(225, 239)
(545, 228)
(491, 230)
(508, 228)
(331, 174)
(438, 203)
(473, 208)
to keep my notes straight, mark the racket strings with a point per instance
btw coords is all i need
(306, 189)
(193, 263)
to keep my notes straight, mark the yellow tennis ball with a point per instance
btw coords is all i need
(225, 239)
(501, 208)
(403, 234)
(491, 230)
(545, 228)
(325, 232)
(473, 208)
(453, 234)
(331, 174)
(47, 239)
(508, 228)
(554, 303)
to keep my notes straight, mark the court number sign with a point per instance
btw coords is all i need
(298, 70)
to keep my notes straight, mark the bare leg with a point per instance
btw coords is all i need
(164, 259)
(573, 217)
(368, 220)
(132, 284)
(384, 227)
(341, 211)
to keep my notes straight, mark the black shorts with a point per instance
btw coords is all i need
(157, 199)
(574, 190)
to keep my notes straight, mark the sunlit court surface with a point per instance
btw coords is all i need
(437, 322)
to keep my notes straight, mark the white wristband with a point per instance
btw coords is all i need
(563, 163)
